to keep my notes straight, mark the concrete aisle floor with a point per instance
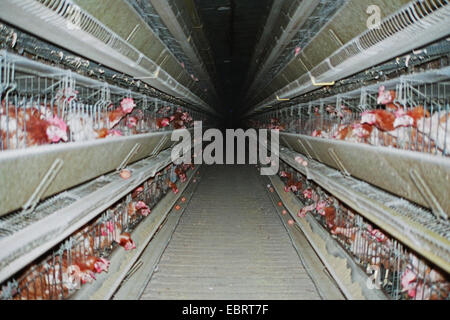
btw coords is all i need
(230, 244)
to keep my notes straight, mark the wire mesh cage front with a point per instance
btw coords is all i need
(45, 105)
(77, 261)
(411, 113)
(392, 267)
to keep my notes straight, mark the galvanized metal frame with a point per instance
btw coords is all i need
(94, 40)
(27, 244)
(125, 265)
(369, 48)
(393, 175)
(172, 16)
(411, 225)
(350, 278)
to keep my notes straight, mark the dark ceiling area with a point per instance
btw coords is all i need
(232, 28)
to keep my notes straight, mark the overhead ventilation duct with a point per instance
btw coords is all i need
(70, 26)
(409, 28)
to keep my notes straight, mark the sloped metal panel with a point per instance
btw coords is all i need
(123, 20)
(388, 169)
(411, 225)
(293, 15)
(371, 46)
(176, 18)
(69, 26)
(82, 161)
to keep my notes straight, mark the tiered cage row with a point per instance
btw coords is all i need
(45, 105)
(391, 267)
(409, 113)
(77, 260)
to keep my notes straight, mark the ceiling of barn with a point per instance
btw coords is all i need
(232, 27)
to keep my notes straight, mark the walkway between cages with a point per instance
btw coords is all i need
(230, 244)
